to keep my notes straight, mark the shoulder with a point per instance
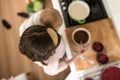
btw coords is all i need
(35, 18)
(36, 15)
(22, 27)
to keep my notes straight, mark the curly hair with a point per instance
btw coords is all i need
(37, 44)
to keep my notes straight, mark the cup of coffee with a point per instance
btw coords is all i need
(81, 36)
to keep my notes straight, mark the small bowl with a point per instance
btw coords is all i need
(81, 36)
(113, 72)
(98, 46)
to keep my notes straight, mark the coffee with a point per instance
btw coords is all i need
(81, 37)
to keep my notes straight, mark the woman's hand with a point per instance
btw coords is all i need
(77, 56)
(83, 50)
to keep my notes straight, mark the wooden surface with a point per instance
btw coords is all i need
(12, 62)
(102, 31)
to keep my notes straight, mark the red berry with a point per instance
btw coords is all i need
(102, 58)
(97, 46)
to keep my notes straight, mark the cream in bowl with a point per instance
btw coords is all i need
(81, 36)
(79, 11)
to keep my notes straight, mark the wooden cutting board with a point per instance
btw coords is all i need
(102, 31)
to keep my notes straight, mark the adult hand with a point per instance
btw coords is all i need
(83, 49)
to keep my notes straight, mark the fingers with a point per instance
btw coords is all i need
(86, 45)
(84, 48)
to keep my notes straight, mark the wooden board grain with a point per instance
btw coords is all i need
(102, 31)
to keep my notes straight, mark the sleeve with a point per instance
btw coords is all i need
(25, 25)
(54, 65)
(55, 68)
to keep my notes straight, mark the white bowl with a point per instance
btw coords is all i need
(81, 29)
(78, 10)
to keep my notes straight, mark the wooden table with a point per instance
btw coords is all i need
(102, 31)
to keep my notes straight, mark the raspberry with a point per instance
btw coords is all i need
(102, 58)
(97, 46)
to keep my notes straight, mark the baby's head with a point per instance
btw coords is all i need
(38, 43)
(51, 17)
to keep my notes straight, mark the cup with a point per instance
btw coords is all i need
(81, 36)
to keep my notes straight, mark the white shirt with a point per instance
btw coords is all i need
(54, 66)
(33, 20)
